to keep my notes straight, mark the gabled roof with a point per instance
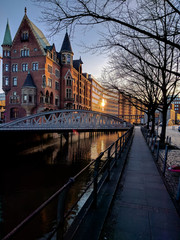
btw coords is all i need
(41, 39)
(7, 36)
(66, 45)
(39, 35)
(29, 82)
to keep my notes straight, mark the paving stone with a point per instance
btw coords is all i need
(142, 207)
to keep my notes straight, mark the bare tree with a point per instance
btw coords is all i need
(136, 81)
(60, 14)
(160, 60)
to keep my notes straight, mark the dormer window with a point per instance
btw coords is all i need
(25, 36)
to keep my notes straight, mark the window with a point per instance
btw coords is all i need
(14, 81)
(51, 98)
(63, 58)
(25, 36)
(49, 82)
(68, 93)
(57, 85)
(68, 58)
(57, 73)
(14, 68)
(6, 81)
(57, 101)
(24, 67)
(6, 53)
(14, 98)
(54, 56)
(30, 98)
(49, 69)
(25, 98)
(14, 113)
(25, 53)
(43, 81)
(6, 67)
(35, 66)
(68, 81)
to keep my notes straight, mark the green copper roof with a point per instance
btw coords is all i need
(7, 36)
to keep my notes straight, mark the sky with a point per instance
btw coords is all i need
(14, 12)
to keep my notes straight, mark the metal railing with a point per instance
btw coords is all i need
(163, 162)
(67, 219)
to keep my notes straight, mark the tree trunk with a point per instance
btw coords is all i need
(163, 131)
(153, 122)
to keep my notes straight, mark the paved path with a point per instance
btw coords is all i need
(142, 208)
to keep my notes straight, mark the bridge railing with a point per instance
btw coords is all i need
(68, 218)
(65, 119)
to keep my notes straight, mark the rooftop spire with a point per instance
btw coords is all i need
(66, 46)
(7, 36)
(25, 10)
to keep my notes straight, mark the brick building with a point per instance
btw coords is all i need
(37, 78)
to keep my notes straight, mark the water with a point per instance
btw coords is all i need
(32, 177)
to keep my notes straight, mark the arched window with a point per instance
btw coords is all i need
(51, 98)
(41, 97)
(43, 81)
(68, 81)
(47, 97)
(14, 113)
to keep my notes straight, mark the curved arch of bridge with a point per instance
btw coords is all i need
(66, 119)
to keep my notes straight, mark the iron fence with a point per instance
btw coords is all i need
(163, 162)
(68, 218)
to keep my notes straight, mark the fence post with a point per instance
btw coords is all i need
(151, 141)
(165, 159)
(157, 155)
(96, 172)
(169, 140)
(109, 163)
(154, 144)
(120, 147)
(116, 153)
(61, 210)
(178, 191)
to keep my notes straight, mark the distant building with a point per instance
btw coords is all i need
(2, 107)
(37, 78)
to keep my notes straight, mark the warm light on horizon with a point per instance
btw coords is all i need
(103, 102)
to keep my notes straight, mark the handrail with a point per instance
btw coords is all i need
(119, 144)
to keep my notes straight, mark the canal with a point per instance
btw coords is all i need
(32, 176)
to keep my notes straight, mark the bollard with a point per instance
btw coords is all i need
(165, 159)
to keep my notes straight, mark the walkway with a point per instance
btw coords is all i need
(142, 207)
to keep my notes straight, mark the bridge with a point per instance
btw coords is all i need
(66, 120)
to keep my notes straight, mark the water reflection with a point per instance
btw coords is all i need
(32, 177)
